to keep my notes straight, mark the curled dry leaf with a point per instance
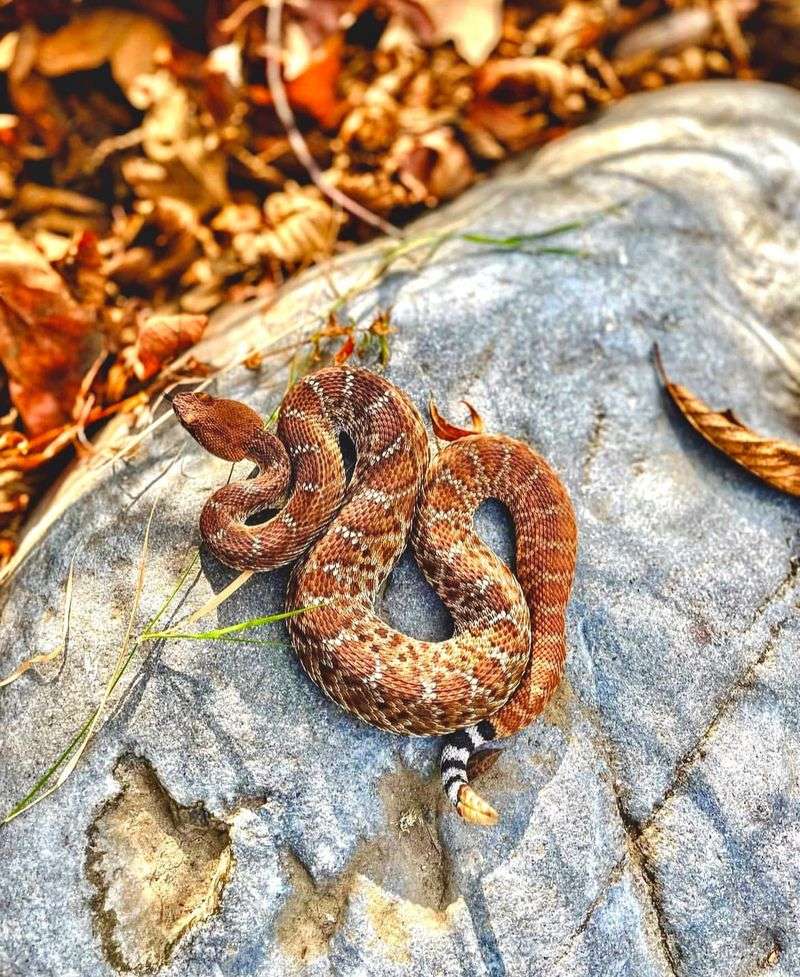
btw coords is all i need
(303, 227)
(163, 337)
(443, 428)
(549, 75)
(534, 85)
(433, 166)
(773, 460)
(47, 340)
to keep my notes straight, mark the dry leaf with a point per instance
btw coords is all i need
(304, 227)
(32, 96)
(237, 219)
(548, 75)
(163, 337)
(8, 49)
(297, 51)
(190, 127)
(434, 166)
(127, 40)
(443, 429)
(186, 162)
(474, 27)
(314, 89)
(513, 125)
(773, 460)
(47, 340)
(311, 77)
(345, 351)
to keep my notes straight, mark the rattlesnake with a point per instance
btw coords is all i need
(506, 656)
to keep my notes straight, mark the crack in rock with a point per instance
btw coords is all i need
(696, 751)
(158, 869)
(638, 859)
(594, 443)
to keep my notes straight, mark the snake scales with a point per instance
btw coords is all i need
(506, 656)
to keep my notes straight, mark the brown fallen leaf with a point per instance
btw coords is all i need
(47, 339)
(513, 126)
(314, 89)
(773, 460)
(127, 40)
(433, 166)
(345, 351)
(161, 338)
(32, 96)
(303, 227)
(447, 431)
(548, 75)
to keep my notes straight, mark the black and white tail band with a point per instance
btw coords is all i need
(458, 749)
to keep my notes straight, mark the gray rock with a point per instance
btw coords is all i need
(650, 818)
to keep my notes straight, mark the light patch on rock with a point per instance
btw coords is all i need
(158, 869)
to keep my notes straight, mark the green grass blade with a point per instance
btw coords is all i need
(34, 795)
(69, 758)
(565, 252)
(178, 636)
(230, 629)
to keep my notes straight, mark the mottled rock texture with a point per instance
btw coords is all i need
(651, 819)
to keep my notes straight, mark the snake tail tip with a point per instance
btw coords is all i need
(474, 809)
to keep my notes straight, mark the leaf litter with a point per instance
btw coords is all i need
(157, 161)
(154, 165)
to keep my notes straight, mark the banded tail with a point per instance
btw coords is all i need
(460, 752)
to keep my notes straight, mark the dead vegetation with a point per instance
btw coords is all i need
(159, 159)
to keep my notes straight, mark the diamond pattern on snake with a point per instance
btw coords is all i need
(506, 655)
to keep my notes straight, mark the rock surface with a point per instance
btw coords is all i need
(651, 819)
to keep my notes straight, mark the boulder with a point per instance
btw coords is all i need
(227, 819)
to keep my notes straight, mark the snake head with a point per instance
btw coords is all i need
(226, 428)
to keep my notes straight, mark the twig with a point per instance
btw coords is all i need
(55, 440)
(232, 23)
(296, 140)
(659, 365)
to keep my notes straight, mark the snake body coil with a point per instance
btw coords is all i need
(506, 656)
